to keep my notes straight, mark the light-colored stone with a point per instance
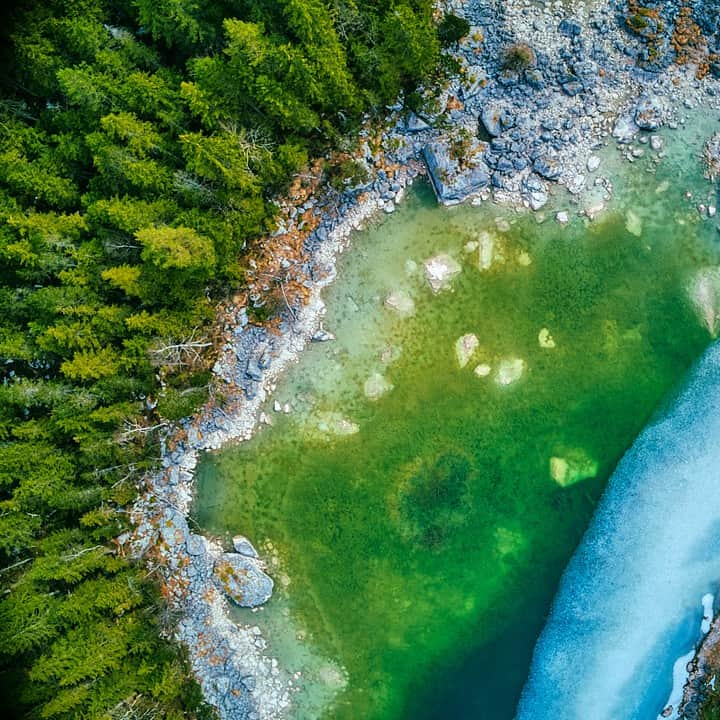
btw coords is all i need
(633, 223)
(401, 302)
(440, 271)
(575, 465)
(510, 370)
(376, 386)
(482, 370)
(545, 339)
(465, 348)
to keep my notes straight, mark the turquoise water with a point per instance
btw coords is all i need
(417, 513)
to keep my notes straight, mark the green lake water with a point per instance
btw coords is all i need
(417, 538)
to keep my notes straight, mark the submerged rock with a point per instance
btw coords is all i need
(334, 423)
(482, 370)
(486, 250)
(633, 223)
(243, 580)
(574, 466)
(440, 271)
(465, 348)
(545, 339)
(401, 302)
(510, 370)
(704, 294)
(376, 386)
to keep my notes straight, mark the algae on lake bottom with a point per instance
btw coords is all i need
(420, 509)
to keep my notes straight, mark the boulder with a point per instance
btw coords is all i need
(534, 192)
(573, 466)
(547, 167)
(322, 336)
(593, 163)
(569, 28)
(453, 180)
(649, 112)
(704, 294)
(243, 579)
(414, 124)
(243, 546)
(625, 129)
(491, 120)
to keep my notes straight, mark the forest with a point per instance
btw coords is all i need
(141, 145)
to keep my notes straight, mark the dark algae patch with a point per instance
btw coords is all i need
(421, 531)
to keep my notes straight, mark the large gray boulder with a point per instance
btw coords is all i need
(649, 112)
(243, 579)
(455, 179)
(625, 129)
(534, 192)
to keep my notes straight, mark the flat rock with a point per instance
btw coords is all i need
(243, 580)
(440, 271)
(593, 163)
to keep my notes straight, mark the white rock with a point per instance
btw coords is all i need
(471, 246)
(594, 210)
(575, 184)
(440, 271)
(711, 211)
(486, 250)
(482, 370)
(593, 163)
(510, 370)
(656, 142)
(376, 386)
(401, 302)
(562, 217)
(545, 339)
(633, 223)
(465, 348)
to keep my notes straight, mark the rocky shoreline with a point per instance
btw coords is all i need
(501, 133)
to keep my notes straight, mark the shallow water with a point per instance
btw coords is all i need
(418, 538)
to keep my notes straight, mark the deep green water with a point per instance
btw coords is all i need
(418, 556)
